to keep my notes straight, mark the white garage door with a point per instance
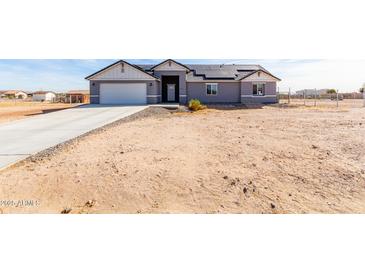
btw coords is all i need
(123, 93)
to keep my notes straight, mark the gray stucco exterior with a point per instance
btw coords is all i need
(228, 92)
(234, 82)
(247, 96)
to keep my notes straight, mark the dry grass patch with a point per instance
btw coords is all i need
(10, 110)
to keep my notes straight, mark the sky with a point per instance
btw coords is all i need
(66, 74)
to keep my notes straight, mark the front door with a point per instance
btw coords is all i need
(170, 88)
(171, 92)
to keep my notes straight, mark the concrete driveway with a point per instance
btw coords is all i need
(22, 138)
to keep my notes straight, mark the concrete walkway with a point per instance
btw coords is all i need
(22, 138)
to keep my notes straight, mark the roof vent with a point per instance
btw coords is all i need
(169, 63)
(122, 68)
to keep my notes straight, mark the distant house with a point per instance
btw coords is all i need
(13, 94)
(78, 96)
(42, 96)
(312, 92)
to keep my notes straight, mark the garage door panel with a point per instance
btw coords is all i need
(123, 93)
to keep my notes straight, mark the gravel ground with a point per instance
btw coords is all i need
(272, 159)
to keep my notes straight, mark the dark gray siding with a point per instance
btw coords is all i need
(228, 92)
(246, 88)
(153, 90)
(182, 82)
(94, 92)
(270, 88)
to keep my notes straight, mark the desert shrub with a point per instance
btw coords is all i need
(195, 105)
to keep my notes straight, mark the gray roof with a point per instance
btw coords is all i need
(215, 71)
(203, 72)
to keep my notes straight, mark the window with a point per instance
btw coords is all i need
(259, 89)
(212, 89)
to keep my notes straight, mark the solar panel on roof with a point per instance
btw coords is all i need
(211, 71)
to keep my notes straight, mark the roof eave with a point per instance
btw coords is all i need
(261, 70)
(120, 61)
(167, 60)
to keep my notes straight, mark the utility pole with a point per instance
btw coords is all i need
(304, 95)
(289, 97)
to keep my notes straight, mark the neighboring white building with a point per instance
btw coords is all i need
(42, 96)
(18, 94)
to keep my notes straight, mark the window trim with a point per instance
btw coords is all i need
(259, 83)
(206, 89)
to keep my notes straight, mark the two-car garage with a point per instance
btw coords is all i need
(123, 84)
(123, 93)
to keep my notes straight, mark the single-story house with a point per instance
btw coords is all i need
(42, 96)
(78, 96)
(171, 81)
(17, 94)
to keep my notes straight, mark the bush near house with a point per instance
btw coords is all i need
(195, 105)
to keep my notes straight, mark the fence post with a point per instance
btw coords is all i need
(304, 95)
(337, 98)
(363, 96)
(315, 97)
(289, 97)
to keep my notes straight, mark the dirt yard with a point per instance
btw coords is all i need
(14, 110)
(274, 159)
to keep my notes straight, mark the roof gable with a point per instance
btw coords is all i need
(259, 75)
(170, 64)
(43, 92)
(121, 70)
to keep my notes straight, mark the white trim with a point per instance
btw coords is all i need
(124, 65)
(153, 95)
(259, 96)
(176, 67)
(264, 76)
(102, 71)
(182, 95)
(123, 80)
